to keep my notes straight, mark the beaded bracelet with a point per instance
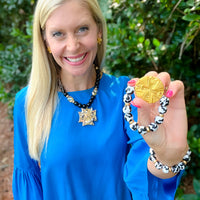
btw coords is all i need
(166, 169)
(164, 102)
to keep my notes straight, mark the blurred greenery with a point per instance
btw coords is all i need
(15, 47)
(143, 35)
(196, 185)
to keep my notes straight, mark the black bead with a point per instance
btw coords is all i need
(88, 105)
(76, 103)
(79, 105)
(92, 97)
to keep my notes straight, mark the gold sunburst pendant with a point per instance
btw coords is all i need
(87, 116)
(149, 88)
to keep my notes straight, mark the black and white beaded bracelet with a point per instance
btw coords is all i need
(166, 169)
(164, 102)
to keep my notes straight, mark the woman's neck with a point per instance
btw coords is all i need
(78, 83)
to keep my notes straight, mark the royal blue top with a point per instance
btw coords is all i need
(100, 162)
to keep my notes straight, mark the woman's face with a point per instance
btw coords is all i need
(71, 33)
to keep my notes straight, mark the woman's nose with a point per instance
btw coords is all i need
(72, 43)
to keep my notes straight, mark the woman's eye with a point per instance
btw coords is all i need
(83, 29)
(57, 34)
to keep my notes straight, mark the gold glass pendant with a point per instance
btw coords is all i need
(149, 88)
(87, 116)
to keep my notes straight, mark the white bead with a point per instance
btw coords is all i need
(181, 166)
(130, 90)
(189, 152)
(128, 117)
(165, 169)
(186, 158)
(175, 169)
(162, 109)
(134, 126)
(127, 98)
(158, 165)
(152, 158)
(159, 120)
(164, 101)
(142, 130)
(127, 109)
(151, 151)
(153, 127)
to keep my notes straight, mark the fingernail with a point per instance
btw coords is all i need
(132, 83)
(132, 103)
(169, 93)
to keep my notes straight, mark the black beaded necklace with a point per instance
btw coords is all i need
(87, 115)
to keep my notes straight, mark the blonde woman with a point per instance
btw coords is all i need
(76, 135)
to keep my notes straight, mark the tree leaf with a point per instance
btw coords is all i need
(156, 42)
(190, 3)
(147, 43)
(191, 17)
(196, 184)
(190, 197)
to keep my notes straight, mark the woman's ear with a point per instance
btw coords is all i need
(45, 38)
(100, 35)
(46, 44)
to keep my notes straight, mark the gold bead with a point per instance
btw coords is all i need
(70, 99)
(148, 129)
(94, 91)
(170, 169)
(184, 162)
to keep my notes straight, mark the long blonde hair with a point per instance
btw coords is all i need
(42, 96)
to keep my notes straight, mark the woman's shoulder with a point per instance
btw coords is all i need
(111, 80)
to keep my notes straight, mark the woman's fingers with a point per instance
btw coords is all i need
(178, 88)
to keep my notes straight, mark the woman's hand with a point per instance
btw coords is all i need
(170, 140)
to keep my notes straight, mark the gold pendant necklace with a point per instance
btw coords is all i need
(87, 116)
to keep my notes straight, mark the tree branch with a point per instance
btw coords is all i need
(170, 16)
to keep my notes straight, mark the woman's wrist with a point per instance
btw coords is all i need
(170, 156)
(164, 169)
(158, 173)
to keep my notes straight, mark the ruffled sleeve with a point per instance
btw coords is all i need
(141, 183)
(26, 174)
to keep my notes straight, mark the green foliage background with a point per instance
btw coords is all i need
(143, 35)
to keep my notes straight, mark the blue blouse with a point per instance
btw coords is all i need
(100, 162)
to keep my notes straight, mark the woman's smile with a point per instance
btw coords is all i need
(76, 60)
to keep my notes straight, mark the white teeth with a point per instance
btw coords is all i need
(76, 59)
